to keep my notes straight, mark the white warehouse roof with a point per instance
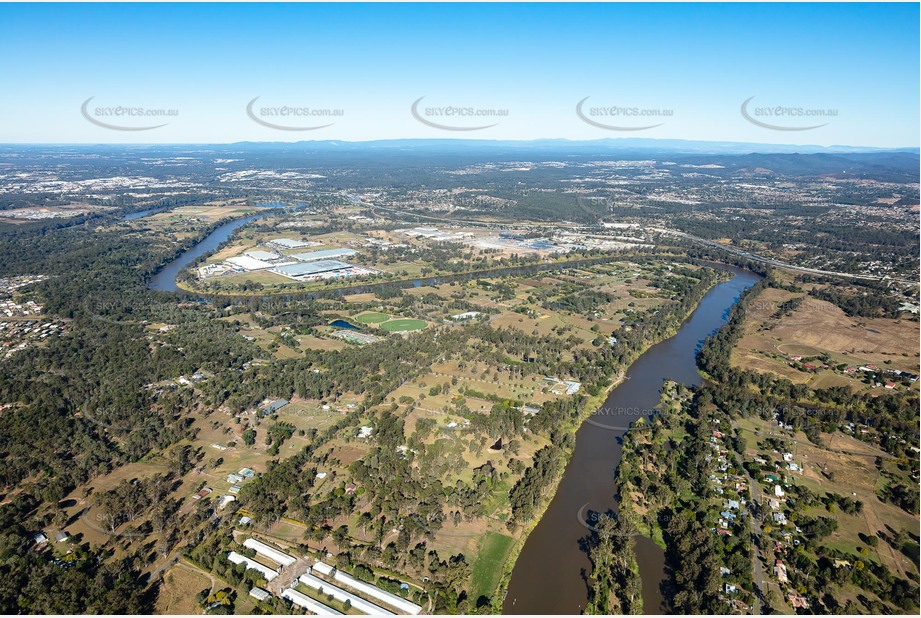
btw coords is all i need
(290, 243)
(248, 263)
(311, 268)
(262, 255)
(323, 254)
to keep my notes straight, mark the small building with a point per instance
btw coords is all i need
(259, 594)
(245, 520)
(780, 571)
(235, 489)
(350, 488)
(778, 491)
(204, 493)
(365, 432)
(321, 475)
(61, 537)
(40, 538)
(467, 315)
(797, 601)
(273, 406)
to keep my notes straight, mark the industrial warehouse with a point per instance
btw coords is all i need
(321, 269)
(307, 266)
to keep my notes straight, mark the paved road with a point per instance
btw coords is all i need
(755, 530)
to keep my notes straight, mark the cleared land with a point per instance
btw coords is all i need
(822, 335)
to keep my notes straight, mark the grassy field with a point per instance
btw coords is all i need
(371, 318)
(487, 570)
(402, 325)
(177, 594)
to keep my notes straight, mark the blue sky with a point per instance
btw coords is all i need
(693, 65)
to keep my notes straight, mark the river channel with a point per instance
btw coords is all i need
(550, 575)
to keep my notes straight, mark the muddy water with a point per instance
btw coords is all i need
(550, 576)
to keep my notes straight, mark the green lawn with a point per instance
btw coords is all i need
(371, 318)
(403, 324)
(487, 569)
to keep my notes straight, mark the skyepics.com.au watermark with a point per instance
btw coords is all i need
(622, 117)
(797, 311)
(456, 118)
(125, 117)
(592, 520)
(786, 117)
(292, 117)
(618, 418)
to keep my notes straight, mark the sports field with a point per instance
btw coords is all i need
(403, 324)
(371, 318)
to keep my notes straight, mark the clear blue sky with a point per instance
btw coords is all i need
(372, 61)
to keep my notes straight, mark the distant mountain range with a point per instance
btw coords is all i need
(618, 146)
(581, 147)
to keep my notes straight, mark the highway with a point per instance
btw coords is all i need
(777, 263)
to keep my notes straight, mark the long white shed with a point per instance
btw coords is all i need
(268, 573)
(309, 604)
(366, 607)
(269, 552)
(405, 607)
